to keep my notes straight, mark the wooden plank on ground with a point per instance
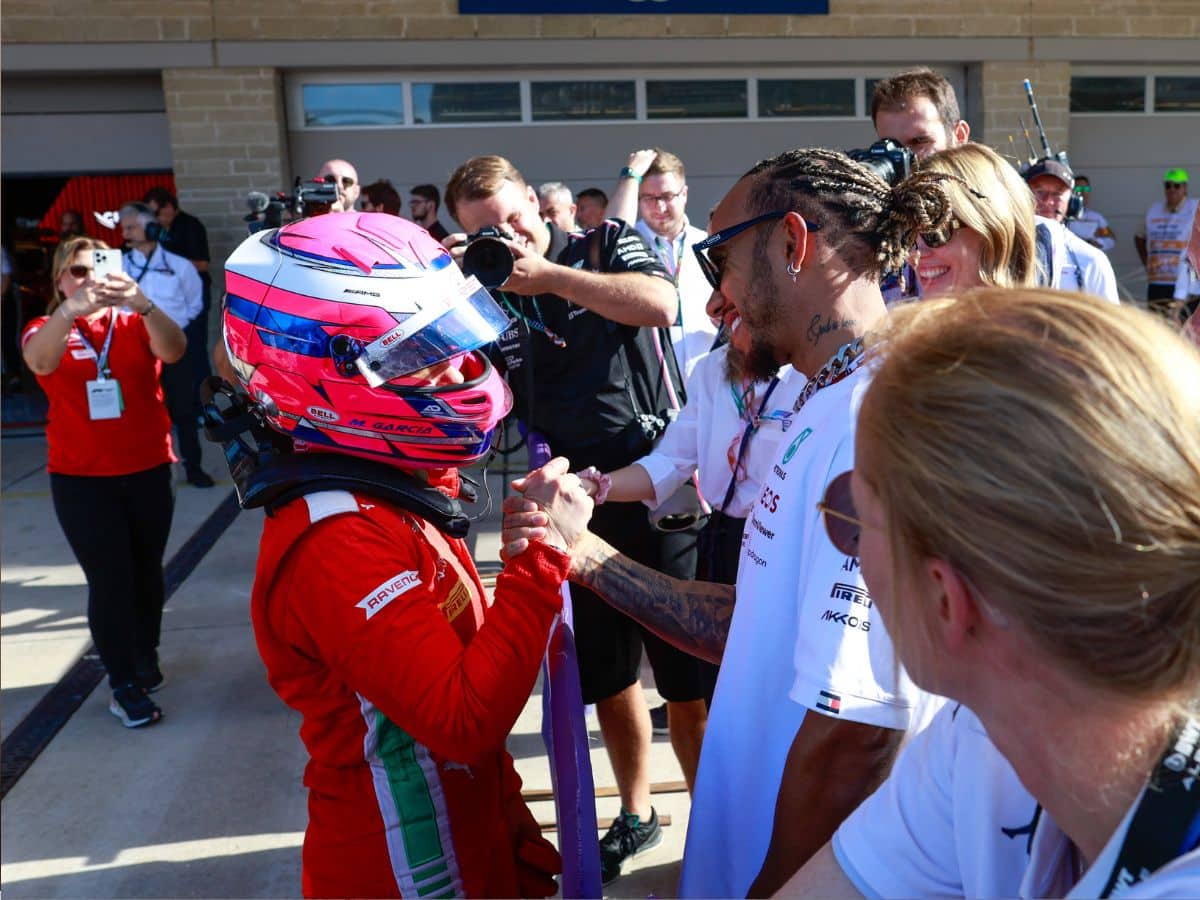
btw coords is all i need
(664, 819)
(659, 787)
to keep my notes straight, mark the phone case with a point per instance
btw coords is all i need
(105, 262)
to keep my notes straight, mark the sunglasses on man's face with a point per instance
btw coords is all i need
(712, 268)
(345, 180)
(78, 271)
(842, 523)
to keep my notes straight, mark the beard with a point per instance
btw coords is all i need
(760, 362)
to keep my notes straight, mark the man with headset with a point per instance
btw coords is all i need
(173, 285)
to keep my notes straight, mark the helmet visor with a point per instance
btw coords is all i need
(461, 322)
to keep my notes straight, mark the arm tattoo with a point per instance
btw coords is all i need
(691, 615)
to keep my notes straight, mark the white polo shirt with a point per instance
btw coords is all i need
(954, 820)
(692, 336)
(705, 437)
(1078, 266)
(168, 279)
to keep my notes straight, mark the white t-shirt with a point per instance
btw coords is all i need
(1187, 282)
(953, 820)
(1086, 226)
(788, 576)
(694, 337)
(1167, 235)
(1078, 266)
(708, 431)
(168, 279)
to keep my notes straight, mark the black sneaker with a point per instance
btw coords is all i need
(197, 477)
(151, 678)
(133, 706)
(658, 720)
(627, 837)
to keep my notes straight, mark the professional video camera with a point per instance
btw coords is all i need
(487, 257)
(1056, 164)
(887, 159)
(308, 198)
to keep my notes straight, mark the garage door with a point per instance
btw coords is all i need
(575, 126)
(84, 124)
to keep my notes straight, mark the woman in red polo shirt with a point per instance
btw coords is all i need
(97, 354)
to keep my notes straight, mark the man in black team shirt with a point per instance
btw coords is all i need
(584, 368)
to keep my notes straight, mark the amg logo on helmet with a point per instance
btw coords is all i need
(364, 293)
(388, 591)
(322, 414)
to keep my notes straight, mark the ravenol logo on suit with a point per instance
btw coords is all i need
(632, 7)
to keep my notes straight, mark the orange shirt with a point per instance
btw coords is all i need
(140, 438)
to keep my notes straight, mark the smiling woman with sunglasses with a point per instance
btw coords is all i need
(1025, 503)
(990, 240)
(98, 354)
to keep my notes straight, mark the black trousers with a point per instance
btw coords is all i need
(117, 527)
(183, 404)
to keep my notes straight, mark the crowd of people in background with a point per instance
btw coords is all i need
(896, 496)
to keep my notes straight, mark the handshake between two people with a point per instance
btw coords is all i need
(551, 505)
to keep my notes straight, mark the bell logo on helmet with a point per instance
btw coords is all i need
(299, 321)
(321, 414)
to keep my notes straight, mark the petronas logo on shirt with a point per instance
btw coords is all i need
(795, 445)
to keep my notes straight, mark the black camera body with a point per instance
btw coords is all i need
(488, 257)
(887, 159)
(308, 198)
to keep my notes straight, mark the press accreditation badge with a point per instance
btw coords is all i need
(104, 399)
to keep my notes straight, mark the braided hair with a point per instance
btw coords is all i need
(867, 222)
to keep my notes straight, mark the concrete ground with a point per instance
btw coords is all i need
(208, 803)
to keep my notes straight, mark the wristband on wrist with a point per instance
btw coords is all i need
(603, 482)
(627, 172)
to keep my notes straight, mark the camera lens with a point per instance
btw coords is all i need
(489, 260)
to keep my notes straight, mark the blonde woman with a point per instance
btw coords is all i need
(97, 353)
(1048, 580)
(991, 238)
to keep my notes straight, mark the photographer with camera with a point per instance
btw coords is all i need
(593, 372)
(345, 176)
(809, 709)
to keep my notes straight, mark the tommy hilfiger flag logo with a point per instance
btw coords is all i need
(830, 703)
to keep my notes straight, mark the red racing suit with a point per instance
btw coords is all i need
(372, 625)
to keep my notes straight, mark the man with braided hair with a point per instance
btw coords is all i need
(810, 707)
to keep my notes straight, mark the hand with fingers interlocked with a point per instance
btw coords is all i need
(551, 506)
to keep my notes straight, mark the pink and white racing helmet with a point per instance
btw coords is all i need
(357, 334)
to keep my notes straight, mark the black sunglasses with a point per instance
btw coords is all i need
(940, 238)
(842, 523)
(78, 271)
(346, 180)
(712, 270)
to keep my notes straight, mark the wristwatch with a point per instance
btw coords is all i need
(627, 172)
(150, 307)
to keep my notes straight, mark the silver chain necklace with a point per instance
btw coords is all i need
(842, 363)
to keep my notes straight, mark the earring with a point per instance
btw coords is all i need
(792, 270)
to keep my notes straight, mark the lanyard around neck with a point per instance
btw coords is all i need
(102, 356)
(145, 268)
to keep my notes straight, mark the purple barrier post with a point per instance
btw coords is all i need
(564, 732)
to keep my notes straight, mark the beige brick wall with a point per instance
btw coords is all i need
(1004, 104)
(228, 137)
(35, 21)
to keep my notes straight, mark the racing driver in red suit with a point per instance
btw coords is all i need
(357, 343)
